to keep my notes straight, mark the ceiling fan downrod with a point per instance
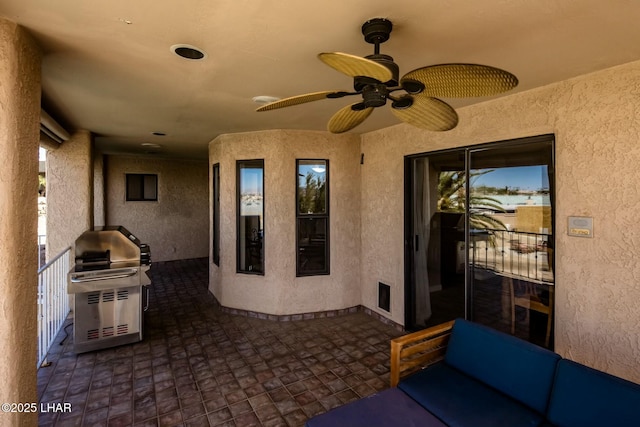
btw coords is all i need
(377, 31)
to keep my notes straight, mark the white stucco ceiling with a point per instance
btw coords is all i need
(108, 68)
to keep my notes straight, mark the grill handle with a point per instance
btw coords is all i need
(146, 302)
(93, 277)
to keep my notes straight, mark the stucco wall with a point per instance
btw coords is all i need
(596, 120)
(69, 192)
(98, 190)
(175, 227)
(19, 135)
(279, 291)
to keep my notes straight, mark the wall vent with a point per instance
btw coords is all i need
(384, 297)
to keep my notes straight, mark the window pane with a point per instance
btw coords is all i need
(134, 187)
(216, 214)
(150, 187)
(312, 246)
(141, 187)
(312, 204)
(250, 216)
(511, 238)
(312, 186)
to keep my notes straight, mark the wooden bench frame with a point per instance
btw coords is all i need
(417, 350)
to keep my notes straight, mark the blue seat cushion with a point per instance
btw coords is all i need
(585, 397)
(387, 408)
(513, 366)
(461, 401)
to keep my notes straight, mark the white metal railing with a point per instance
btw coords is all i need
(515, 253)
(53, 301)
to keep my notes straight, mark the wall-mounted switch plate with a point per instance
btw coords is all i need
(580, 226)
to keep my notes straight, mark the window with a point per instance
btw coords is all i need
(216, 213)
(312, 217)
(142, 187)
(250, 232)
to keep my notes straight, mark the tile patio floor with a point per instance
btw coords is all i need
(198, 366)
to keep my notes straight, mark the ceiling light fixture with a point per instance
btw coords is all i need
(151, 145)
(264, 99)
(188, 51)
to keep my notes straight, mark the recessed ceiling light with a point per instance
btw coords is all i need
(151, 145)
(188, 52)
(264, 99)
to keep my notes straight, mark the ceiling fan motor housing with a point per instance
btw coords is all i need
(375, 95)
(387, 61)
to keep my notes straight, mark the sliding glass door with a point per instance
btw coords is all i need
(510, 238)
(479, 237)
(436, 234)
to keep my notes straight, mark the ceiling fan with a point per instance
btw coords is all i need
(375, 79)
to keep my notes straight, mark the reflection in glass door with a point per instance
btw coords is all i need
(435, 250)
(479, 237)
(510, 236)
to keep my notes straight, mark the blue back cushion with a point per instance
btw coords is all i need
(513, 366)
(461, 401)
(585, 397)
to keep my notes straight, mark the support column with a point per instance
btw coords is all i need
(69, 192)
(19, 135)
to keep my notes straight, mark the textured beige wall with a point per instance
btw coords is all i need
(596, 120)
(175, 227)
(69, 192)
(98, 190)
(279, 291)
(19, 135)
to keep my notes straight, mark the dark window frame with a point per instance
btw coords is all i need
(306, 216)
(261, 231)
(215, 184)
(141, 176)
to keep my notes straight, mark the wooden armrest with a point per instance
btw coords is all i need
(412, 352)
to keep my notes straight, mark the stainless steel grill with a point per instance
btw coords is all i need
(110, 286)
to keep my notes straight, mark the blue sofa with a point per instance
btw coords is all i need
(478, 377)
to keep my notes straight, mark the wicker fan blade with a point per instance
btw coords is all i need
(428, 113)
(301, 99)
(354, 66)
(347, 118)
(460, 80)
